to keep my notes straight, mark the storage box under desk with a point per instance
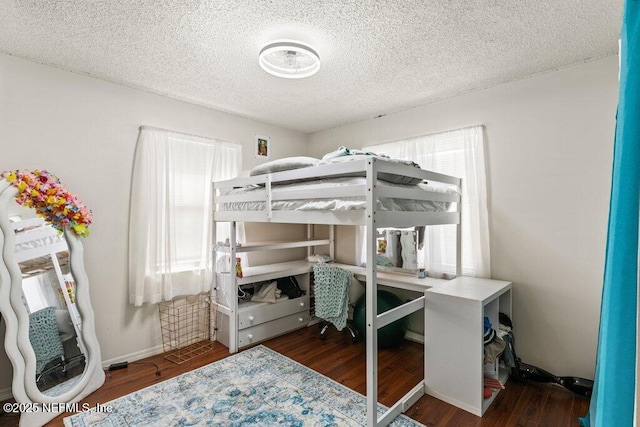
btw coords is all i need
(258, 321)
(252, 314)
(273, 328)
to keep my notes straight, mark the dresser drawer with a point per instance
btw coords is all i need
(265, 312)
(270, 329)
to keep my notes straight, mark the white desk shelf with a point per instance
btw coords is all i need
(271, 245)
(454, 349)
(263, 273)
(396, 280)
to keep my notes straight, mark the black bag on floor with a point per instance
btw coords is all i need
(524, 371)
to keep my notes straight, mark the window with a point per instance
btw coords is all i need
(170, 228)
(459, 153)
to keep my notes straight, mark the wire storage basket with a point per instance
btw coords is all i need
(185, 326)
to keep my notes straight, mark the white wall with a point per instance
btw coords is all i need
(549, 147)
(549, 143)
(85, 130)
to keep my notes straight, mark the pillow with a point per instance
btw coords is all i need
(385, 176)
(288, 163)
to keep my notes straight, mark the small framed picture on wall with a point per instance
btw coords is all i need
(262, 147)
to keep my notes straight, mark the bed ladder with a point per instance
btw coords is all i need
(375, 321)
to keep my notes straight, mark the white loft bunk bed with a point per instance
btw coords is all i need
(290, 197)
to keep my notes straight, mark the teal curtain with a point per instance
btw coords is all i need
(612, 401)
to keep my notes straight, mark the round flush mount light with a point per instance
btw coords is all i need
(289, 59)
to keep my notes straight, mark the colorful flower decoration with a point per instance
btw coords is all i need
(51, 200)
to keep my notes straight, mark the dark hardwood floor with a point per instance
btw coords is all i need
(400, 369)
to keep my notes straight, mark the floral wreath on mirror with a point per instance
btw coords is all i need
(44, 192)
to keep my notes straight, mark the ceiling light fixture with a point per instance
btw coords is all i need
(289, 59)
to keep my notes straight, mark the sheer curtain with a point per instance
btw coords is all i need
(170, 224)
(459, 153)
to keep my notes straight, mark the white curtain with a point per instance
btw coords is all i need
(459, 153)
(170, 222)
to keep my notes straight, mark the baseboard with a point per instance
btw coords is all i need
(132, 357)
(412, 336)
(5, 394)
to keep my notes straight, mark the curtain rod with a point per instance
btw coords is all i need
(434, 133)
(455, 130)
(173, 131)
(186, 134)
(424, 135)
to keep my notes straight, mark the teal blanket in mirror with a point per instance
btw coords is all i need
(44, 337)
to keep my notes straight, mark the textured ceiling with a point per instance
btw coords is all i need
(378, 57)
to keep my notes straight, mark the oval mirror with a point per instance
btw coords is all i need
(48, 293)
(44, 299)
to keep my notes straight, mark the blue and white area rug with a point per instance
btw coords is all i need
(257, 387)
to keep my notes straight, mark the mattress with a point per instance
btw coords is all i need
(324, 187)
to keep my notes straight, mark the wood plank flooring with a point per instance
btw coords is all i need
(400, 369)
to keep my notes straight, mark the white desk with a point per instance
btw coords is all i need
(396, 280)
(454, 368)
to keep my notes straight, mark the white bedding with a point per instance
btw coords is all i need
(323, 188)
